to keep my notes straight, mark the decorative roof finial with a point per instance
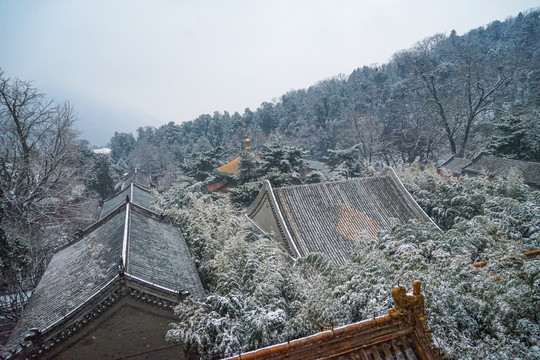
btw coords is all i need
(248, 147)
(404, 304)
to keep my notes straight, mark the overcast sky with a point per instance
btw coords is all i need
(124, 64)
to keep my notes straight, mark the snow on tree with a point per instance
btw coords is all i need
(259, 296)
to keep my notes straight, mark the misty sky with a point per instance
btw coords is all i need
(125, 64)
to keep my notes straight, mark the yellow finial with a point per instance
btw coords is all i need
(248, 147)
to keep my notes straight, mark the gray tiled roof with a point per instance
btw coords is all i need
(329, 217)
(136, 176)
(490, 165)
(73, 275)
(137, 194)
(159, 254)
(454, 164)
(156, 254)
(320, 167)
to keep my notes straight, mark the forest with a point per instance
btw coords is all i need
(257, 297)
(446, 95)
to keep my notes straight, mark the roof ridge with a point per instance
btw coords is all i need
(380, 175)
(448, 160)
(79, 235)
(110, 283)
(125, 239)
(145, 211)
(118, 287)
(118, 209)
(114, 195)
(281, 220)
(141, 187)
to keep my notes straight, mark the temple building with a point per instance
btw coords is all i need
(330, 217)
(110, 292)
(225, 174)
(135, 176)
(492, 166)
(135, 193)
(402, 334)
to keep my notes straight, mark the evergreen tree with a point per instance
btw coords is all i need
(346, 162)
(258, 296)
(200, 164)
(277, 163)
(314, 177)
(249, 168)
(511, 138)
(280, 158)
(101, 180)
(121, 146)
(13, 259)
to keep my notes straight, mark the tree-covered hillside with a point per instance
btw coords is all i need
(447, 94)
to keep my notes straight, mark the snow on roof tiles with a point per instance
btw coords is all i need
(155, 250)
(490, 165)
(454, 164)
(137, 195)
(329, 217)
(135, 176)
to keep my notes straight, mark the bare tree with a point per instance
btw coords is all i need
(41, 175)
(460, 88)
(37, 149)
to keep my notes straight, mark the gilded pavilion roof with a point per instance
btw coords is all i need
(231, 168)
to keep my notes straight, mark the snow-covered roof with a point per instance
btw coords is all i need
(320, 167)
(130, 242)
(494, 166)
(329, 217)
(104, 151)
(137, 194)
(454, 165)
(135, 176)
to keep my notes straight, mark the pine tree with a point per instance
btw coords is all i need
(510, 139)
(101, 180)
(347, 162)
(249, 168)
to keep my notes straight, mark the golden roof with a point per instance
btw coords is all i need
(220, 186)
(402, 334)
(230, 168)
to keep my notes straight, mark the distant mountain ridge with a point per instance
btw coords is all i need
(99, 120)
